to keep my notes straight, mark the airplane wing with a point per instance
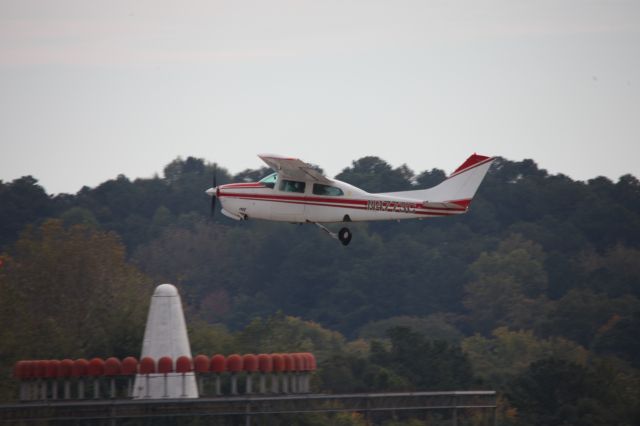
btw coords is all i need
(293, 168)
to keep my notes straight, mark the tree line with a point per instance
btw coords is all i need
(534, 292)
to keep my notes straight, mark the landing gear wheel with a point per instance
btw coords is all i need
(344, 235)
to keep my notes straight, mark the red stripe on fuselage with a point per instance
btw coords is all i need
(269, 197)
(243, 185)
(343, 203)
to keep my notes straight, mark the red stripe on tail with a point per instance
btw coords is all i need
(469, 163)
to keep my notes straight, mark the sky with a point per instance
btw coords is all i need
(93, 89)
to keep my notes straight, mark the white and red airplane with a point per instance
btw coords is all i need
(298, 193)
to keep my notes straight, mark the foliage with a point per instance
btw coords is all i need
(428, 364)
(580, 314)
(280, 333)
(499, 359)
(508, 286)
(22, 202)
(434, 327)
(69, 292)
(554, 391)
(539, 282)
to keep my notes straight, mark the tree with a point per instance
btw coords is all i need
(281, 333)
(581, 313)
(555, 392)
(619, 337)
(70, 293)
(252, 175)
(616, 272)
(434, 327)
(509, 286)
(507, 354)
(375, 175)
(22, 201)
(426, 364)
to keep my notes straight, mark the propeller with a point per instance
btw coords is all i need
(214, 187)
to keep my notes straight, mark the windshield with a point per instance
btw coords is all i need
(271, 179)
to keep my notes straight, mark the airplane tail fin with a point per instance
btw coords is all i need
(459, 188)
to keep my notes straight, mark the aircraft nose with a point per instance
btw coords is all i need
(211, 192)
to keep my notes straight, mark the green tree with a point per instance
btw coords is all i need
(619, 337)
(558, 392)
(426, 364)
(615, 273)
(79, 216)
(434, 327)
(375, 175)
(581, 313)
(22, 201)
(344, 373)
(509, 285)
(281, 333)
(507, 354)
(70, 293)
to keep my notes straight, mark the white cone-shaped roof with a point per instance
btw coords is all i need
(165, 335)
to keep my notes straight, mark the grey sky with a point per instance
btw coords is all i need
(92, 89)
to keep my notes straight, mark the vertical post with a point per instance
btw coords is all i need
(147, 386)
(234, 384)
(166, 386)
(249, 382)
(218, 386)
(80, 388)
(112, 386)
(24, 393)
(307, 382)
(201, 385)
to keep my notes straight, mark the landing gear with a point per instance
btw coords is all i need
(344, 235)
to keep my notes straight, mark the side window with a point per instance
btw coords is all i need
(320, 189)
(292, 186)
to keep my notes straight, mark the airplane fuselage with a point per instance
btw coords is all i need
(279, 199)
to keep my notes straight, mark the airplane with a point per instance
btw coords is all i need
(298, 193)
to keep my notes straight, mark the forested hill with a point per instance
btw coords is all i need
(542, 266)
(531, 243)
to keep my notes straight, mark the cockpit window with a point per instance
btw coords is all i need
(320, 189)
(270, 180)
(292, 186)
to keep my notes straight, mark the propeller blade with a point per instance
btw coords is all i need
(214, 186)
